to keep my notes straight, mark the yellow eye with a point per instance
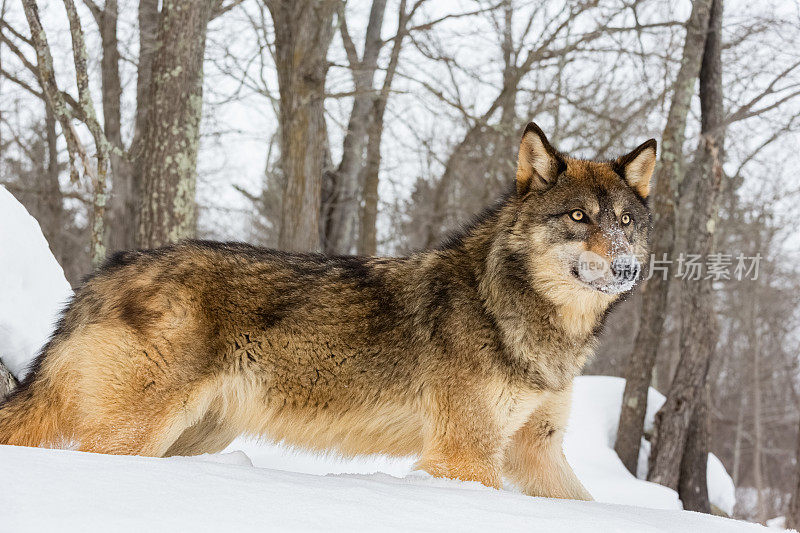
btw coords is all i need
(626, 219)
(577, 215)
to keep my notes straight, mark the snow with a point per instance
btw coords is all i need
(72, 491)
(721, 490)
(589, 446)
(33, 288)
(779, 522)
(256, 486)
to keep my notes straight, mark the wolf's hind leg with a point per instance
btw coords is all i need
(210, 434)
(144, 424)
(535, 459)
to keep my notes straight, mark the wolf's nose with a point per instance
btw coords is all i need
(625, 268)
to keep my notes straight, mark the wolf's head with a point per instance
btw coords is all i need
(581, 224)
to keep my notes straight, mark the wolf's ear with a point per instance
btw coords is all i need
(637, 167)
(538, 163)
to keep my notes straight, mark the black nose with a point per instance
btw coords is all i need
(625, 268)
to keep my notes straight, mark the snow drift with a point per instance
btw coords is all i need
(59, 490)
(33, 288)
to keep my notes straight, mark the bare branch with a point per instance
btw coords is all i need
(97, 11)
(15, 33)
(17, 52)
(221, 10)
(47, 80)
(431, 23)
(102, 146)
(12, 78)
(349, 45)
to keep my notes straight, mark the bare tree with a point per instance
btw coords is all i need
(341, 216)
(370, 173)
(793, 516)
(654, 293)
(476, 169)
(693, 479)
(106, 19)
(172, 128)
(124, 201)
(303, 32)
(679, 416)
(83, 109)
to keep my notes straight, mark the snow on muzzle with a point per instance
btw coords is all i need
(618, 275)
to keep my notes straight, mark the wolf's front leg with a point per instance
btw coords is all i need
(462, 441)
(535, 459)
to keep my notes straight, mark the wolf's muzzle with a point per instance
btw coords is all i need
(625, 269)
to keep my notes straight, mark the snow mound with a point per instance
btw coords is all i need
(721, 490)
(237, 457)
(589, 446)
(68, 491)
(33, 288)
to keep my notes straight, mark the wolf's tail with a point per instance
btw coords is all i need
(30, 416)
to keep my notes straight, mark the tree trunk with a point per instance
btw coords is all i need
(52, 221)
(368, 231)
(172, 130)
(367, 235)
(444, 187)
(758, 476)
(698, 319)
(126, 179)
(793, 514)
(119, 227)
(654, 292)
(342, 216)
(149, 18)
(303, 32)
(693, 483)
(737, 444)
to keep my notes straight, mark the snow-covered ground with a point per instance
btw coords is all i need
(261, 486)
(57, 490)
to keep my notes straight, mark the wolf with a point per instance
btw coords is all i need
(463, 355)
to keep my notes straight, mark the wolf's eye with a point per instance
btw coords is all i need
(577, 215)
(626, 219)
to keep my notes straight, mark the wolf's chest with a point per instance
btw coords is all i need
(547, 366)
